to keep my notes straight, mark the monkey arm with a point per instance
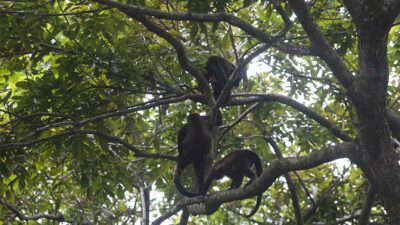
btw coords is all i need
(181, 136)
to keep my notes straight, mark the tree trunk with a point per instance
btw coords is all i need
(378, 159)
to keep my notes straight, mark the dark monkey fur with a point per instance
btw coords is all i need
(236, 165)
(218, 71)
(195, 146)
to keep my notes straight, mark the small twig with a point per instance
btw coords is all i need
(240, 118)
(289, 181)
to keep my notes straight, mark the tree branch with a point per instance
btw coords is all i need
(240, 118)
(228, 86)
(132, 10)
(180, 51)
(394, 123)
(46, 14)
(21, 216)
(135, 108)
(251, 99)
(289, 181)
(184, 216)
(181, 204)
(74, 132)
(254, 97)
(366, 210)
(145, 198)
(276, 168)
(320, 45)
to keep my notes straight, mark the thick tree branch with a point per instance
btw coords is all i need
(274, 171)
(378, 159)
(215, 17)
(254, 97)
(321, 45)
(386, 10)
(281, 12)
(251, 98)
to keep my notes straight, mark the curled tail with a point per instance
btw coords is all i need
(255, 159)
(258, 202)
(179, 187)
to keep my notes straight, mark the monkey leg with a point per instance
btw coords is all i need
(199, 169)
(217, 89)
(250, 174)
(202, 167)
(208, 163)
(236, 182)
(208, 182)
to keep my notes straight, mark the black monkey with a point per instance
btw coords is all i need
(195, 146)
(218, 70)
(236, 165)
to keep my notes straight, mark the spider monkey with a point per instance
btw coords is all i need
(195, 146)
(218, 71)
(236, 165)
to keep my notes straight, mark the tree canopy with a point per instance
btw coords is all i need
(94, 92)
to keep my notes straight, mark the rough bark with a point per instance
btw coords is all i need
(379, 160)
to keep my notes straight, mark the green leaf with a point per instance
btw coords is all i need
(7, 96)
(194, 30)
(78, 151)
(226, 42)
(246, 3)
(85, 181)
(4, 171)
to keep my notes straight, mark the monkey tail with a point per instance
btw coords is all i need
(258, 165)
(258, 202)
(179, 187)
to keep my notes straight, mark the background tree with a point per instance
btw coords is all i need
(94, 92)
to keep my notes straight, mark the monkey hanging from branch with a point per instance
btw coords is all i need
(195, 146)
(237, 165)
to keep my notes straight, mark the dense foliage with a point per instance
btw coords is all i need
(92, 99)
